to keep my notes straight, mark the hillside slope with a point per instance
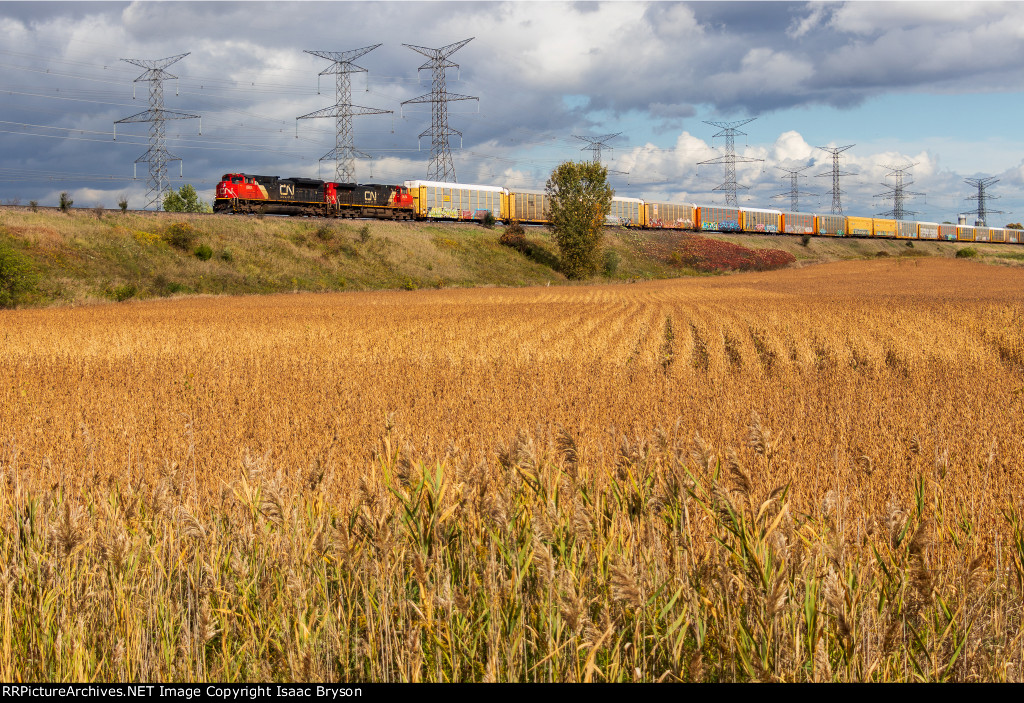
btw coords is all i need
(85, 255)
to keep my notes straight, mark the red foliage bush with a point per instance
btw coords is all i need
(716, 256)
(514, 236)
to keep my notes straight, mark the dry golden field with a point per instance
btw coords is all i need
(809, 474)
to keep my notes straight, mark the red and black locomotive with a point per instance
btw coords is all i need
(245, 193)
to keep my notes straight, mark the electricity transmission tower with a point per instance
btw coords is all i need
(441, 167)
(157, 155)
(343, 153)
(982, 197)
(729, 131)
(794, 192)
(897, 192)
(837, 201)
(598, 143)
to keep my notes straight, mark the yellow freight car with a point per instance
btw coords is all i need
(964, 233)
(883, 227)
(529, 207)
(670, 215)
(797, 223)
(626, 212)
(719, 219)
(433, 200)
(831, 225)
(761, 221)
(858, 226)
(906, 229)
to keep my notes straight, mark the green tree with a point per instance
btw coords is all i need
(185, 199)
(579, 199)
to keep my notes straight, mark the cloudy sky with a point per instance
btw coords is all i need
(933, 84)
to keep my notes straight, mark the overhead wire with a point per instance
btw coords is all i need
(231, 91)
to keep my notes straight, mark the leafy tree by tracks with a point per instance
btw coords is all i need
(580, 197)
(185, 199)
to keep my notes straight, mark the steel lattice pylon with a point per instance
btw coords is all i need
(837, 200)
(441, 167)
(344, 152)
(596, 144)
(729, 131)
(157, 155)
(982, 197)
(794, 191)
(898, 192)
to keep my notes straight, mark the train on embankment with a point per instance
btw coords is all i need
(429, 200)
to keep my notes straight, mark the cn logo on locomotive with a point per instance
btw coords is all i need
(370, 196)
(287, 190)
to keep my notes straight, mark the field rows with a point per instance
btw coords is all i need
(885, 396)
(839, 371)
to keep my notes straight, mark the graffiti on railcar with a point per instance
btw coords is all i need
(444, 213)
(723, 226)
(672, 224)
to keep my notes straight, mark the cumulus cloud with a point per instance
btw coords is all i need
(675, 175)
(543, 72)
(872, 18)
(803, 24)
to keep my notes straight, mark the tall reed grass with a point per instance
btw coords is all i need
(676, 562)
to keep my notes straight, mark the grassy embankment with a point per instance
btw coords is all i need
(81, 256)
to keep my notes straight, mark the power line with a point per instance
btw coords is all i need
(157, 155)
(441, 167)
(836, 192)
(729, 131)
